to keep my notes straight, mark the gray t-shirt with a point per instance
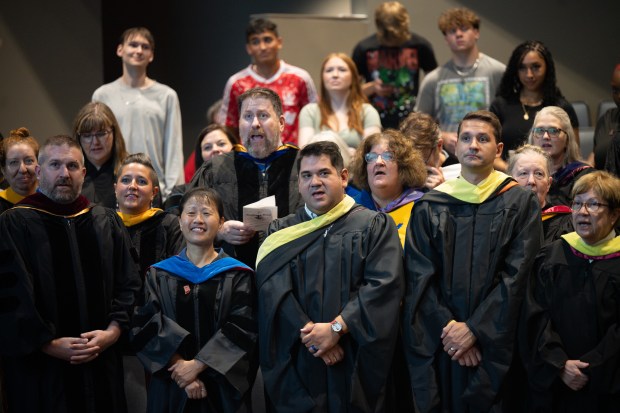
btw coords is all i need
(448, 96)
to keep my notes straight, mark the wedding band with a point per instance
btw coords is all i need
(452, 349)
(314, 348)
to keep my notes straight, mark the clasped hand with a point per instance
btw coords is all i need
(459, 342)
(83, 349)
(320, 336)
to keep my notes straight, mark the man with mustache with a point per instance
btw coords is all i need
(469, 249)
(67, 287)
(260, 168)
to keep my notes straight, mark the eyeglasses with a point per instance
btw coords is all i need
(88, 137)
(554, 133)
(372, 157)
(591, 205)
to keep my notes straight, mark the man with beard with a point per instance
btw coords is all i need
(469, 249)
(67, 286)
(260, 168)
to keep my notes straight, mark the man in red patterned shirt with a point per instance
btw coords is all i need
(293, 84)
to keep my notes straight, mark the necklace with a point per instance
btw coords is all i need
(526, 115)
(466, 72)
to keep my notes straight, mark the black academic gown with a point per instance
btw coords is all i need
(62, 276)
(239, 182)
(353, 268)
(573, 313)
(468, 263)
(156, 239)
(98, 184)
(556, 224)
(563, 181)
(214, 322)
(4, 205)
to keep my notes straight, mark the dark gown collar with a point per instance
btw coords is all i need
(42, 202)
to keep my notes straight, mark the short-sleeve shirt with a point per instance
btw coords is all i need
(396, 66)
(310, 116)
(293, 84)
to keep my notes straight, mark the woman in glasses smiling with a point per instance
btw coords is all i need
(98, 133)
(552, 131)
(573, 352)
(391, 174)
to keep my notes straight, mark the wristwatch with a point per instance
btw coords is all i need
(337, 327)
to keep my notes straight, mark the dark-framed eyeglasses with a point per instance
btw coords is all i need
(88, 137)
(372, 157)
(554, 133)
(591, 205)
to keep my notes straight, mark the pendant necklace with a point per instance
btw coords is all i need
(526, 115)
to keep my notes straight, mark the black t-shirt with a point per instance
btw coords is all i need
(397, 66)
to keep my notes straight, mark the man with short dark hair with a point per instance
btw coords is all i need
(67, 288)
(260, 168)
(329, 288)
(293, 84)
(470, 246)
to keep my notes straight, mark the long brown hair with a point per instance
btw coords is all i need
(355, 100)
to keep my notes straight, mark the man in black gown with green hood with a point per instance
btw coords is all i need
(469, 249)
(330, 281)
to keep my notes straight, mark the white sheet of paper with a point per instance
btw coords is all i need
(259, 215)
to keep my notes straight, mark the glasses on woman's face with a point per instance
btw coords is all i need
(372, 157)
(592, 205)
(554, 133)
(88, 137)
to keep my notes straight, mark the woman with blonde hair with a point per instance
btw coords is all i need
(342, 107)
(552, 131)
(97, 131)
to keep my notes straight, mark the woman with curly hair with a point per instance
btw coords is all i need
(391, 174)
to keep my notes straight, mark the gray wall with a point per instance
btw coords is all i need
(52, 54)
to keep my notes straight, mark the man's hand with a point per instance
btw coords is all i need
(196, 390)
(376, 87)
(333, 356)
(319, 335)
(470, 358)
(184, 372)
(572, 375)
(103, 338)
(457, 339)
(235, 232)
(75, 350)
